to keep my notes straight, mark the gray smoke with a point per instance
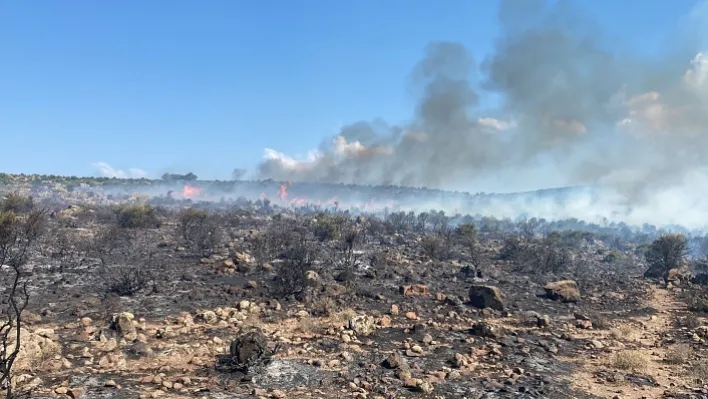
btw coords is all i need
(573, 112)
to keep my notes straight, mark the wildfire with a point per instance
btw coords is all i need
(283, 191)
(189, 191)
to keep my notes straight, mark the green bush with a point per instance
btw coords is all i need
(665, 253)
(327, 228)
(139, 216)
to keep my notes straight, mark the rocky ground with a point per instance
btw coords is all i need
(396, 316)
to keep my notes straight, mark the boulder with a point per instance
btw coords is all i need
(564, 290)
(362, 325)
(486, 296)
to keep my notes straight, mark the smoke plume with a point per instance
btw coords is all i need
(574, 111)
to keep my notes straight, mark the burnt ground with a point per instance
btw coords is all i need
(619, 339)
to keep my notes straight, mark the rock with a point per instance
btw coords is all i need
(411, 316)
(362, 325)
(487, 330)
(208, 317)
(424, 387)
(394, 309)
(543, 321)
(124, 324)
(583, 324)
(414, 290)
(385, 321)
(486, 296)
(395, 361)
(564, 290)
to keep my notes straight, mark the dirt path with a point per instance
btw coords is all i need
(629, 360)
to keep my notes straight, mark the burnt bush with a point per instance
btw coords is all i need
(200, 230)
(140, 216)
(69, 250)
(127, 280)
(665, 253)
(292, 271)
(511, 249)
(437, 247)
(545, 258)
(466, 234)
(17, 203)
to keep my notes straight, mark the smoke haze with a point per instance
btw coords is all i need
(573, 112)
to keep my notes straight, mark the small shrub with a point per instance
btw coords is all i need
(127, 280)
(200, 230)
(700, 369)
(140, 216)
(665, 253)
(436, 247)
(630, 360)
(689, 321)
(292, 271)
(511, 249)
(326, 228)
(17, 203)
(601, 322)
(625, 332)
(678, 354)
(698, 303)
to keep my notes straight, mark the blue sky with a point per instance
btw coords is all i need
(205, 86)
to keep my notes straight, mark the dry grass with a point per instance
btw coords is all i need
(625, 332)
(700, 369)
(630, 360)
(342, 318)
(306, 325)
(678, 354)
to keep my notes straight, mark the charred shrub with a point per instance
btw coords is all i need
(347, 255)
(547, 258)
(17, 203)
(292, 270)
(68, 250)
(665, 253)
(127, 280)
(466, 234)
(200, 230)
(437, 247)
(141, 216)
(511, 249)
(18, 235)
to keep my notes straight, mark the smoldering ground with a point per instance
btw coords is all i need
(576, 109)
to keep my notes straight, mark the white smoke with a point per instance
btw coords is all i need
(106, 170)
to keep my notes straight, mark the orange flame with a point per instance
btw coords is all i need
(283, 191)
(189, 191)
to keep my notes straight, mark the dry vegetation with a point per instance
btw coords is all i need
(132, 298)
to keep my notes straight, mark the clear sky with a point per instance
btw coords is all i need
(205, 86)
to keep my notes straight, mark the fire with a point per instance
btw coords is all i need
(283, 191)
(189, 191)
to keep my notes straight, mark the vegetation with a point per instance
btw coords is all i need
(19, 233)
